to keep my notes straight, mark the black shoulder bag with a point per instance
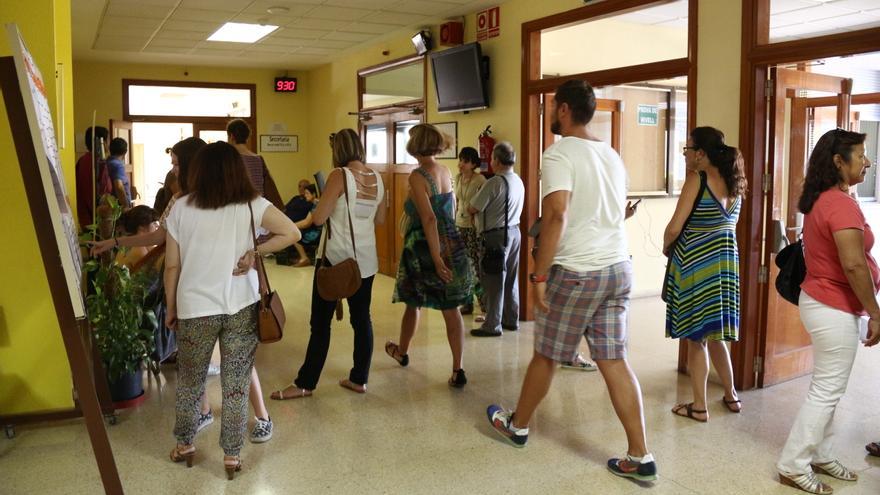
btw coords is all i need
(664, 293)
(792, 271)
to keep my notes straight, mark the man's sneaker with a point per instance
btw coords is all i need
(502, 423)
(627, 467)
(213, 369)
(580, 364)
(204, 421)
(262, 430)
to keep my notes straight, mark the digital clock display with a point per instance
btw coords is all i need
(285, 84)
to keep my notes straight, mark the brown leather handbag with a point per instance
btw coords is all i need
(270, 317)
(343, 279)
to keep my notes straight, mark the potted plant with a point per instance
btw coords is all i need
(121, 324)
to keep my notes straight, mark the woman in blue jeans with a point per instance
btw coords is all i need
(365, 195)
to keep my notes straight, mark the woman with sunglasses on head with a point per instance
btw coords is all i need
(702, 283)
(840, 289)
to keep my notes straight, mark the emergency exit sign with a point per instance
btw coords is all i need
(647, 114)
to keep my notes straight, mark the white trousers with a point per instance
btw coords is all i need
(835, 336)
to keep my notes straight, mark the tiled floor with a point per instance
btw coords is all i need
(413, 434)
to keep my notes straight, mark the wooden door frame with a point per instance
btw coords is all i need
(533, 86)
(757, 55)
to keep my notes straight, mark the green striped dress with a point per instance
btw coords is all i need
(702, 282)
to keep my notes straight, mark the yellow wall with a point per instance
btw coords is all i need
(98, 88)
(34, 372)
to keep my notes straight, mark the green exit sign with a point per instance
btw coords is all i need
(647, 114)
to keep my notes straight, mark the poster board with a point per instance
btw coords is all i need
(39, 118)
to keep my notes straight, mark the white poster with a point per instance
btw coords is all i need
(39, 118)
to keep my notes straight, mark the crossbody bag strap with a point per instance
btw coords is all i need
(506, 208)
(348, 210)
(258, 260)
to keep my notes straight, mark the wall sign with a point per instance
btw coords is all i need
(279, 143)
(488, 23)
(647, 115)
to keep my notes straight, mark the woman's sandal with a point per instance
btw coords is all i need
(873, 449)
(689, 412)
(231, 463)
(458, 379)
(187, 454)
(807, 482)
(393, 350)
(354, 387)
(835, 469)
(298, 393)
(729, 405)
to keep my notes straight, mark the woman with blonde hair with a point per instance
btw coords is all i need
(434, 270)
(359, 210)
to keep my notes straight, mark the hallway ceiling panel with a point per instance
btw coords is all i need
(311, 32)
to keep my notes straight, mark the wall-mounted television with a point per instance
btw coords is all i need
(461, 77)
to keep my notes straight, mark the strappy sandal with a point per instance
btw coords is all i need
(231, 465)
(298, 394)
(354, 387)
(689, 408)
(807, 482)
(393, 350)
(180, 455)
(836, 470)
(729, 405)
(458, 379)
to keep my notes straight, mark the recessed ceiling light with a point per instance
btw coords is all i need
(277, 10)
(238, 32)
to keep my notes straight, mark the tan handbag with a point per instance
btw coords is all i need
(343, 279)
(270, 317)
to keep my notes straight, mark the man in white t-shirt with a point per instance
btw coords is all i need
(582, 278)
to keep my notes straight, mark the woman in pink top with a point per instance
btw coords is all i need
(840, 288)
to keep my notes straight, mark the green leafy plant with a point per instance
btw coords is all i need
(121, 324)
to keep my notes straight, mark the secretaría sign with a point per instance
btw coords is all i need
(284, 143)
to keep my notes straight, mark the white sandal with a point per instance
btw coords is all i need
(836, 470)
(807, 482)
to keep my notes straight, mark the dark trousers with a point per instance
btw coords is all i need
(501, 290)
(319, 342)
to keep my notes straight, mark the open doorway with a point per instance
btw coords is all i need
(148, 154)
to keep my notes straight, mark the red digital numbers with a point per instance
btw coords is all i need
(285, 85)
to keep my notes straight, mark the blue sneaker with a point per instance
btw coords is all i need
(627, 467)
(501, 422)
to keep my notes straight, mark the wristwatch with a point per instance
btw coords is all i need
(537, 279)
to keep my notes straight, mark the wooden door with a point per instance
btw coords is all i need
(784, 349)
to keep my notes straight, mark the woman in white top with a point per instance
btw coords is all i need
(365, 195)
(208, 231)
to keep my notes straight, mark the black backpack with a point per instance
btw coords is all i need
(792, 271)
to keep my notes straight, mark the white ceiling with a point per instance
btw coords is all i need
(312, 32)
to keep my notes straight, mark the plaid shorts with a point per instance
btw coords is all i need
(593, 304)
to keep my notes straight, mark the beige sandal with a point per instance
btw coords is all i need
(298, 393)
(807, 482)
(836, 470)
(354, 387)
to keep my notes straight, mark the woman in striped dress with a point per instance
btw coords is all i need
(702, 281)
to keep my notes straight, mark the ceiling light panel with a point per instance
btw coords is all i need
(241, 33)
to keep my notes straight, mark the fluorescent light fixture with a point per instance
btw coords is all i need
(238, 32)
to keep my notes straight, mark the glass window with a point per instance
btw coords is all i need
(394, 86)
(401, 136)
(652, 35)
(377, 143)
(187, 101)
(799, 19)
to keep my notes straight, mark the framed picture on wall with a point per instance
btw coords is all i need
(451, 130)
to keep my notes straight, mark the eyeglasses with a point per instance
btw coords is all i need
(686, 148)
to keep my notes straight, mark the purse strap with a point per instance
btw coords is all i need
(258, 261)
(506, 208)
(350, 224)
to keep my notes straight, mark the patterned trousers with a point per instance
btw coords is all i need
(474, 249)
(238, 344)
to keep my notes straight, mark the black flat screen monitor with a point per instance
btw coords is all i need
(460, 79)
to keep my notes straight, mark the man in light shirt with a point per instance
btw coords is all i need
(583, 278)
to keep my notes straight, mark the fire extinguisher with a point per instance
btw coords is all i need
(487, 144)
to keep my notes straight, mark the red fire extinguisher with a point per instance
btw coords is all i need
(487, 144)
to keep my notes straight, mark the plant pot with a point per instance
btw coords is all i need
(128, 386)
